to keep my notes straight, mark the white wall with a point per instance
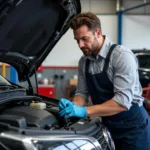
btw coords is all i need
(136, 31)
(136, 35)
(66, 51)
(99, 6)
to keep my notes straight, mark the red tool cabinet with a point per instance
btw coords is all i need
(47, 90)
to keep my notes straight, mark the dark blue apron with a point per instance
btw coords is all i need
(128, 128)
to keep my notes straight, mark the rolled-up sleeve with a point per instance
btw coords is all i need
(124, 79)
(82, 88)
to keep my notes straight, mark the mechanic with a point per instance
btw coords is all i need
(108, 73)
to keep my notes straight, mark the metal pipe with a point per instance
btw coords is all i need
(135, 7)
(13, 75)
(120, 14)
(119, 7)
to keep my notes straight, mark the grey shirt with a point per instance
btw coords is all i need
(122, 72)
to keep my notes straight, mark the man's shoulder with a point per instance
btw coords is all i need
(119, 49)
(122, 54)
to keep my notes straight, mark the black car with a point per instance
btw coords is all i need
(143, 57)
(29, 29)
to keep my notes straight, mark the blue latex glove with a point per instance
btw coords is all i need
(63, 103)
(74, 111)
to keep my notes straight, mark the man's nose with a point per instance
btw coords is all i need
(81, 44)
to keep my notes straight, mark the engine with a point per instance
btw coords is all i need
(25, 117)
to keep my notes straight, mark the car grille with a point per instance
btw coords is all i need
(101, 139)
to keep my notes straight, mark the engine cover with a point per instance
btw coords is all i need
(33, 117)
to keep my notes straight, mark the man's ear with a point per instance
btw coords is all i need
(98, 33)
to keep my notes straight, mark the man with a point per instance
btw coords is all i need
(108, 73)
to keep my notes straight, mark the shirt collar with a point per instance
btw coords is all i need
(105, 48)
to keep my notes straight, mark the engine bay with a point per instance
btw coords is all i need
(17, 115)
(17, 112)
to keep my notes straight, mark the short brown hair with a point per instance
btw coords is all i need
(87, 18)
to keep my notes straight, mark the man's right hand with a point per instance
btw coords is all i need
(63, 103)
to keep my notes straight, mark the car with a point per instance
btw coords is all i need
(28, 121)
(143, 57)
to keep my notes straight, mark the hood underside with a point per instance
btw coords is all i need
(29, 29)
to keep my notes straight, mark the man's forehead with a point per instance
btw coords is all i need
(81, 29)
(80, 36)
(81, 32)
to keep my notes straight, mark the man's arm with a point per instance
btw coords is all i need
(79, 100)
(108, 108)
(124, 81)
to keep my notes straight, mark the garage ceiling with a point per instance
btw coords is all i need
(111, 6)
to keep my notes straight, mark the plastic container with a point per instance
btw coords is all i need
(39, 105)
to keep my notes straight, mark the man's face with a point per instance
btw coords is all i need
(88, 41)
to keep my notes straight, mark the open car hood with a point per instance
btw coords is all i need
(29, 29)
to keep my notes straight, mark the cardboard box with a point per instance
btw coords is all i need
(73, 82)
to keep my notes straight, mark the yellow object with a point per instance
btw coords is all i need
(3, 69)
(39, 105)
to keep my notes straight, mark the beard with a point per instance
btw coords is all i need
(93, 50)
(86, 51)
(95, 47)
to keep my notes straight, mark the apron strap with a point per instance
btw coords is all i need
(108, 57)
(106, 61)
(87, 66)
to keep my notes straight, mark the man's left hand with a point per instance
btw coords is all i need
(74, 111)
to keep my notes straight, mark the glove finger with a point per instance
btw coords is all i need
(68, 103)
(71, 114)
(63, 113)
(66, 111)
(61, 106)
(62, 103)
